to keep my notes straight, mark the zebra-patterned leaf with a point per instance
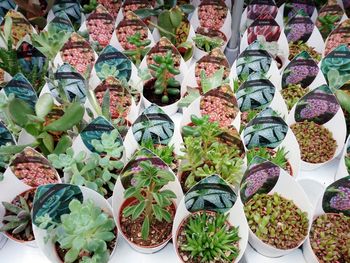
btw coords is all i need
(267, 129)
(53, 199)
(253, 59)
(71, 82)
(255, 94)
(95, 130)
(153, 124)
(22, 89)
(211, 193)
(5, 135)
(260, 177)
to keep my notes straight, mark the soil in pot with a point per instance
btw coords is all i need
(62, 252)
(295, 48)
(27, 233)
(316, 142)
(276, 220)
(212, 14)
(292, 94)
(112, 6)
(330, 238)
(148, 92)
(182, 238)
(160, 231)
(33, 169)
(128, 27)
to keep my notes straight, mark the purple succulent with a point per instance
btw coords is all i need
(316, 108)
(256, 180)
(342, 200)
(298, 31)
(299, 73)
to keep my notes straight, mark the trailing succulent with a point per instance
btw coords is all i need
(206, 153)
(208, 237)
(95, 171)
(137, 54)
(164, 70)
(277, 157)
(316, 142)
(276, 220)
(293, 93)
(17, 220)
(48, 131)
(85, 232)
(330, 238)
(152, 200)
(206, 43)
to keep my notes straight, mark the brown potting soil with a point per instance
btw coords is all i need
(160, 231)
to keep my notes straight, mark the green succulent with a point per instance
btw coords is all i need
(152, 200)
(206, 43)
(164, 152)
(206, 154)
(328, 23)
(347, 162)
(90, 7)
(137, 54)
(18, 217)
(107, 71)
(210, 238)
(94, 171)
(277, 157)
(86, 230)
(165, 85)
(293, 93)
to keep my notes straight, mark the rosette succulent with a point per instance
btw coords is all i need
(208, 237)
(276, 221)
(330, 238)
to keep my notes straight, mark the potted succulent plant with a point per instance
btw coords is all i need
(46, 123)
(273, 219)
(163, 88)
(296, 48)
(97, 170)
(79, 214)
(207, 40)
(17, 222)
(210, 225)
(329, 237)
(328, 19)
(212, 14)
(145, 217)
(210, 149)
(293, 93)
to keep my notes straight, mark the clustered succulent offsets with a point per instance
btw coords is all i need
(299, 73)
(299, 30)
(33, 170)
(208, 237)
(293, 93)
(256, 180)
(328, 20)
(296, 48)
(276, 220)
(317, 107)
(219, 105)
(316, 142)
(17, 220)
(330, 238)
(212, 15)
(78, 53)
(101, 29)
